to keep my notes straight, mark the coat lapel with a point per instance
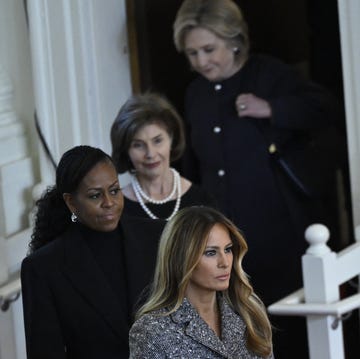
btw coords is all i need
(232, 328)
(197, 329)
(86, 276)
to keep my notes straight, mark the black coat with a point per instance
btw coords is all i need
(70, 309)
(229, 157)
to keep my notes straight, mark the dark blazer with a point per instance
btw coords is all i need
(70, 309)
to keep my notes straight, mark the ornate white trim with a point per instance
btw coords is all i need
(7, 115)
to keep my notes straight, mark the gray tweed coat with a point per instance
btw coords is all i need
(184, 334)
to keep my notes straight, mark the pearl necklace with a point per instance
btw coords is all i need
(136, 184)
(140, 194)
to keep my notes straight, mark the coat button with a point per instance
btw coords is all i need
(272, 148)
(218, 87)
(221, 173)
(217, 129)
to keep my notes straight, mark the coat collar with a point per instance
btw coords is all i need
(82, 270)
(233, 328)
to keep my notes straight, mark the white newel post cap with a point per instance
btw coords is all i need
(317, 235)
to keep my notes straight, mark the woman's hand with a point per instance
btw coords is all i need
(249, 105)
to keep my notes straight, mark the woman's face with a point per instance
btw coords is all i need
(98, 202)
(209, 55)
(149, 151)
(213, 271)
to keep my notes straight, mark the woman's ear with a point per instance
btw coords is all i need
(68, 199)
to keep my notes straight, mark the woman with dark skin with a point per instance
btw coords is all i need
(79, 282)
(239, 110)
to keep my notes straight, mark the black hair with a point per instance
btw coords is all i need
(52, 216)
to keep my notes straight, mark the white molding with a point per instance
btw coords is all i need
(72, 75)
(12, 131)
(43, 77)
(350, 50)
(7, 337)
(90, 73)
(16, 249)
(7, 115)
(4, 274)
(81, 72)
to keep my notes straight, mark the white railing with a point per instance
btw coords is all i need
(319, 301)
(9, 292)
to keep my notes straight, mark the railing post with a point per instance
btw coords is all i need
(318, 265)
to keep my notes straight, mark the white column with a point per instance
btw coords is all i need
(350, 51)
(81, 72)
(349, 11)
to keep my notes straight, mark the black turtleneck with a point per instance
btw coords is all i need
(107, 248)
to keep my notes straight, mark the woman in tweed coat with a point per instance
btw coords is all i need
(201, 304)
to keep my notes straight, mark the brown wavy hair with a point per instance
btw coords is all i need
(138, 111)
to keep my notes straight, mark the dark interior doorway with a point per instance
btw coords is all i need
(300, 32)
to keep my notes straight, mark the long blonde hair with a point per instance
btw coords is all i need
(181, 245)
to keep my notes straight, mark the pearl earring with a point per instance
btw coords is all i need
(236, 50)
(74, 217)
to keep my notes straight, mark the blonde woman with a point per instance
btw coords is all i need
(201, 304)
